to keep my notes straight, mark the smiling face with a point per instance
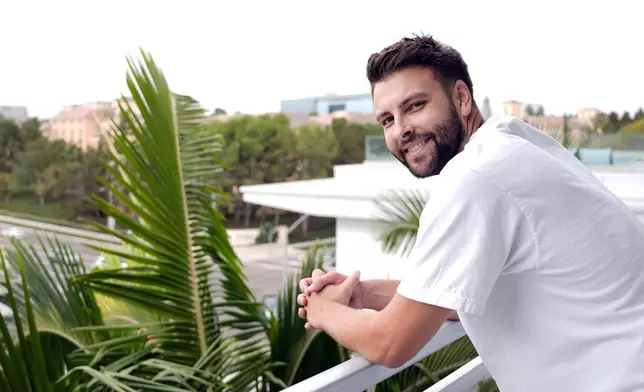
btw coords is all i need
(422, 126)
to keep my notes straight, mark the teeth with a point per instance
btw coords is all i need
(415, 147)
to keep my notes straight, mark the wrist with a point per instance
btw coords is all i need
(367, 294)
(326, 308)
(377, 293)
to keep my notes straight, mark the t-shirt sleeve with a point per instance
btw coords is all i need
(464, 241)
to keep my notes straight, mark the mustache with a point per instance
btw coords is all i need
(415, 138)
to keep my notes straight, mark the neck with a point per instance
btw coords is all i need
(473, 122)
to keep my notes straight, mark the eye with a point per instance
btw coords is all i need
(387, 121)
(416, 106)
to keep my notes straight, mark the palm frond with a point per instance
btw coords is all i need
(30, 360)
(59, 303)
(303, 352)
(160, 166)
(398, 218)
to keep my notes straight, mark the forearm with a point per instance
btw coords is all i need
(354, 329)
(377, 293)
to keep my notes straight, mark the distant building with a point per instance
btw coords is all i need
(83, 125)
(579, 124)
(16, 113)
(328, 104)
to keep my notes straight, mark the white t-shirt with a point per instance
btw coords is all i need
(544, 265)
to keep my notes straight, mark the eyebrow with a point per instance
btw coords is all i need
(405, 102)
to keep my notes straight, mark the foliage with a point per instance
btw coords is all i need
(180, 316)
(316, 148)
(52, 170)
(634, 127)
(610, 123)
(351, 138)
(534, 110)
(267, 234)
(398, 219)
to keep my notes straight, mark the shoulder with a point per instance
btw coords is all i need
(501, 150)
(463, 193)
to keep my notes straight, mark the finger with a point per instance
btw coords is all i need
(327, 279)
(302, 313)
(317, 273)
(305, 283)
(308, 326)
(354, 278)
(301, 300)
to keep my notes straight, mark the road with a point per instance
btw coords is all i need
(262, 263)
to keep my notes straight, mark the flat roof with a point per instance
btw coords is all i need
(351, 198)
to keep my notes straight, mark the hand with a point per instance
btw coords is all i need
(317, 302)
(320, 280)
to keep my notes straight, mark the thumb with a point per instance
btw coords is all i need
(354, 278)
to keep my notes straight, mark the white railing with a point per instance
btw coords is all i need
(464, 379)
(358, 374)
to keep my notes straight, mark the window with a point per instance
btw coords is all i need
(336, 107)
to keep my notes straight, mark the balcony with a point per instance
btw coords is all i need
(358, 374)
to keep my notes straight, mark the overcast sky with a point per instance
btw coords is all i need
(247, 56)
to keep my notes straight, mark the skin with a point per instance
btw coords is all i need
(425, 125)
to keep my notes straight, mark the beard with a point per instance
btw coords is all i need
(447, 138)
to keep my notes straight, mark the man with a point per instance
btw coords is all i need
(543, 265)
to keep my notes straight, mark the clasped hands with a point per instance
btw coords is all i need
(321, 289)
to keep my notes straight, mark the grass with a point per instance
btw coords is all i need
(31, 206)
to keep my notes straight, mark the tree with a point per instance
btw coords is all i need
(316, 148)
(218, 111)
(566, 139)
(31, 164)
(351, 140)
(49, 182)
(639, 114)
(211, 334)
(10, 144)
(611, 123)
(258, 150)
(185, 318)
(534, 110)
(30, 130)
(626, 119)
(636, 127)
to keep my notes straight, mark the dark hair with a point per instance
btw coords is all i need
(423, 51)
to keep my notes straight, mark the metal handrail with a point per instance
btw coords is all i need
(358, 374)
(464, 378)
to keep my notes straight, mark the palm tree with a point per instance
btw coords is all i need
(398, 220)
(180, 316)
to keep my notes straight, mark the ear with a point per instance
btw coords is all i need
(462, 98)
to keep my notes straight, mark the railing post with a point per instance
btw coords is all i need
(288, 231)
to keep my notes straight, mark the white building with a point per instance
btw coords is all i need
(328, 104)
(18, 114)
(349, 197)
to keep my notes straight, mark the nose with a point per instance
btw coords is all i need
(405, 131)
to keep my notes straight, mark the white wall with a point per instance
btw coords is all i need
(357, 249)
